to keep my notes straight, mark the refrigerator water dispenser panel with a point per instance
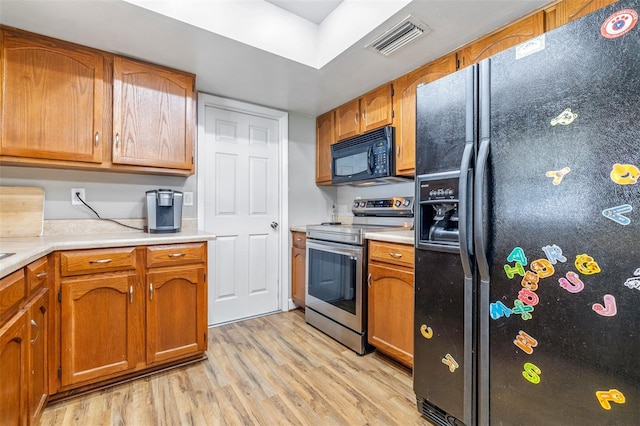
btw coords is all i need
(438, 198)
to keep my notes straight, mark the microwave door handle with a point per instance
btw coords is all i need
(369, 158)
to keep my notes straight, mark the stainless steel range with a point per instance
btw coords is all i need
(336, 299)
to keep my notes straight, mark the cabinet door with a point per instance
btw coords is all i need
(298, 275)
(98, 326)
(405, 101)
(13, 367)
(376, 108)
(38, 354)
(324, 140)
(348, 120)
(153, 116)
(391, 311)
(53, 95)
(176, 313)
(570, 10)
(510, 36)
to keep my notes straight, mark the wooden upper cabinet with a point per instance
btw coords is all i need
(324, 139)
(376, 108)
(348, 120)
(405, 108)
(53, 96)
(570, 10)
(516, 33)
(370, 111)
(153, 116)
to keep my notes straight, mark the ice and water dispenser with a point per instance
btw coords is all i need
(437, 221)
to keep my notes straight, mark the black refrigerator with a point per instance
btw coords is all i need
(527, 269)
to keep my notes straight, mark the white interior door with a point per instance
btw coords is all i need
(239, 166)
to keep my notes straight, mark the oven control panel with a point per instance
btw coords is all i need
(392, 206)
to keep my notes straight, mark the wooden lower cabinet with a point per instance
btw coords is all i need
(24, 344)
(99, 327)
(38, 322)
(151, 312)
(298, 268)
(13, 359)
(390, 300)
(176, 313)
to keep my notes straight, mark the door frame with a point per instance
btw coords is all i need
(207, 100)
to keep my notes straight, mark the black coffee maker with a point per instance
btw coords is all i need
(164, 211)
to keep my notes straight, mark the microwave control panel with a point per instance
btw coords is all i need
(380, 158)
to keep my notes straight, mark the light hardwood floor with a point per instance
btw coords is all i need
(272, 370)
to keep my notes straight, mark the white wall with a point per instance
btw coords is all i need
(308, 203)
(112, 195)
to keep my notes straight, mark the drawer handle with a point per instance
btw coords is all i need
(41, 275)
(298, 239)
(100, 262)
(395, 255)
(177, 254)
(35, 325)
(369, 280)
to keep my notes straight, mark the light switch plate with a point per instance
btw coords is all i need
(188, 198)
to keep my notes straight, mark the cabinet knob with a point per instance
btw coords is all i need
(151, 291)
(117, 140)
(369, 280)
(97, 139)
(130, 294)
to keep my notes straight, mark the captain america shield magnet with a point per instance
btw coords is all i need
(619, 23)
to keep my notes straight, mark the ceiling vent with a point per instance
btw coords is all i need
(397, 36)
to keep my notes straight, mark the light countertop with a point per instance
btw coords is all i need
(404, 236)
(28, 249)
(298, 228)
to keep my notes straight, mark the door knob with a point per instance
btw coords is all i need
(274, 225)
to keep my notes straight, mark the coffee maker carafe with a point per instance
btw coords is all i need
(164, 211)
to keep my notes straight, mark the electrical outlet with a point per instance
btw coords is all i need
(188, 199)
(74, 199)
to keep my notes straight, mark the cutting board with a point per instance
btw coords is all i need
(21, 211)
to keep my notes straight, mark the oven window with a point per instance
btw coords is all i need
(332, 278)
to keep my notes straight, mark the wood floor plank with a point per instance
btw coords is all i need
(272, 370)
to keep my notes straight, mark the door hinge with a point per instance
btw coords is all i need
(60, 296)
(205, 277)
(457, 62)
(192, 159)
(393, 92)
(393, 114)
(59, 372)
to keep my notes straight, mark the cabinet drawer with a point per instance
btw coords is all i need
(79, 262)
(397, 254)
(299, 239)
(175, 254)
(12, 292)
(37, 275)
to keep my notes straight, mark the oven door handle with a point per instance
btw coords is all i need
(354, 252)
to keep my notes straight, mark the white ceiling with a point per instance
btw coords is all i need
(311, 10)
(319, 62)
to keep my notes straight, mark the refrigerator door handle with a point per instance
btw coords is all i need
(478, 211)
(465, 201)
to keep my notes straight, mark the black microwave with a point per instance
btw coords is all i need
(365, 159)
